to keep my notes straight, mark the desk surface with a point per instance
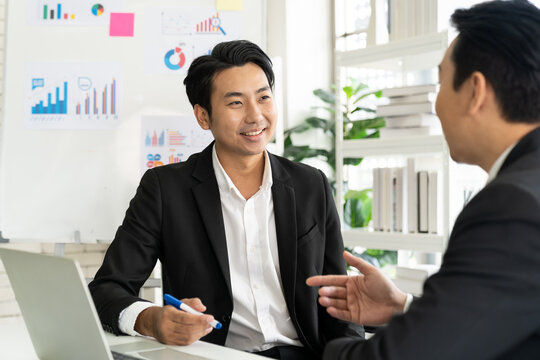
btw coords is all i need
(15, 344)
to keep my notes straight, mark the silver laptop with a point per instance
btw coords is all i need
(60, 315)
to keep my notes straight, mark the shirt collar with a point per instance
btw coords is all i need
(499, 163)
(224, 181)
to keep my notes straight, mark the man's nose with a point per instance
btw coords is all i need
(254, 113)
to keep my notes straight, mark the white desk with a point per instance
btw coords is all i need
(15, 344)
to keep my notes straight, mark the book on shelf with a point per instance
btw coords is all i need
(409, 90)
(413, 120)
(416, 98)
(393, 133)
(6, 294)
(386, 199)
(422, 181)
(433, 221)
(398, 199)
(375, 204)
(401, 199)
(4, 280)
(412, 197)
(406, 109)
(414, 287)
(411, 18)
(9, 308)
(418, 272)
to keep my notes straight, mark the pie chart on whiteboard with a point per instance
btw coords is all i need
(175, 59)
(97, 9)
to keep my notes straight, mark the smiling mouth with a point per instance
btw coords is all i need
(253, 133)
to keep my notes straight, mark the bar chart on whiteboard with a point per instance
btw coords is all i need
(72, 95)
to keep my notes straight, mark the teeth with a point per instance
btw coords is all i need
(253, 133)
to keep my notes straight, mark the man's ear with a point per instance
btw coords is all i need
(479, 87)
(202, 117)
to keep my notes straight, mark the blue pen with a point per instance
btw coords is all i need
(171, 300)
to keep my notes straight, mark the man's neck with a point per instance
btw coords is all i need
(504, 137)
(246, 172)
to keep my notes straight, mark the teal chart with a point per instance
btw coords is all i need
(72, 12)
(72, 95)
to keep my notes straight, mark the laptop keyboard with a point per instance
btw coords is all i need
(120, 356)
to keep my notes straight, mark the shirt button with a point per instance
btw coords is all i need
(225, 318)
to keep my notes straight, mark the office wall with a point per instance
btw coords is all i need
(60, 184)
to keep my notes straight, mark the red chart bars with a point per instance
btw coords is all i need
(93, 99)
(206, 26)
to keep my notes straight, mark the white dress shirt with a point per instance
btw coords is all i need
(498, 163)
(260, 319)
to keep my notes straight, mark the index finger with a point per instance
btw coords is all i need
(327, 280)
(185, 318)
(363, 266)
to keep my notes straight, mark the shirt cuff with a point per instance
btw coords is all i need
(128, 316)
(408, 303)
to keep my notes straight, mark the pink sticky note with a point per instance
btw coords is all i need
(121, 24)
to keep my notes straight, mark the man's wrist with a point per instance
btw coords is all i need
(145, 323)
(128, 317)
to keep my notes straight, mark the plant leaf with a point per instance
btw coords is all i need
(317, 122)
(330, 109)
(287, 142)
(357, 208)
(359, 87)
(348, 90)
(377, 93)
(297, 129)
(361, 108)
(352, 161)
(326, 96)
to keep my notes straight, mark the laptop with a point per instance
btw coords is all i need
(60, 315)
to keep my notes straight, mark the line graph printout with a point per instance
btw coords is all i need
(175, 36)
(72, 95)
(170, 139)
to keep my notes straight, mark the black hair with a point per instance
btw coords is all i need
(501, 39)
(225, 55)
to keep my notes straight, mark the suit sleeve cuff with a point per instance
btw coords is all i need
(128, 316)
(408, 303)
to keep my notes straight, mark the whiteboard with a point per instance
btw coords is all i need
(60, 181)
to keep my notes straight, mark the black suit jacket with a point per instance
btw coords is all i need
(484, 303)
(176, 217)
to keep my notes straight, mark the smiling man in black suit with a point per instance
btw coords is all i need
(237, 229)
(484, 303)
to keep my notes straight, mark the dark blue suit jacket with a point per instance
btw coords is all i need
(176, 217)
(484, 303)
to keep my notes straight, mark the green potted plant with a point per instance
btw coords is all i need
(359, 122)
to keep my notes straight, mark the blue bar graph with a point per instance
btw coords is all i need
(58, 107)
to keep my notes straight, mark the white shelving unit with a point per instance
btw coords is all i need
(401, 56)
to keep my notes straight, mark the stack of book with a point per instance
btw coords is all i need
(8, 304)
(406, 200)
(413, 18)
(411, 279)
(411, 111)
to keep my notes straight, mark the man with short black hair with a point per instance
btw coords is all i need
(237, 229)
(484, 301)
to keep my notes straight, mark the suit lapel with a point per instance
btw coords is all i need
(285, 216)
(206, 195)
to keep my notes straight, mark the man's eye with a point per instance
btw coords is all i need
(235, 103)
